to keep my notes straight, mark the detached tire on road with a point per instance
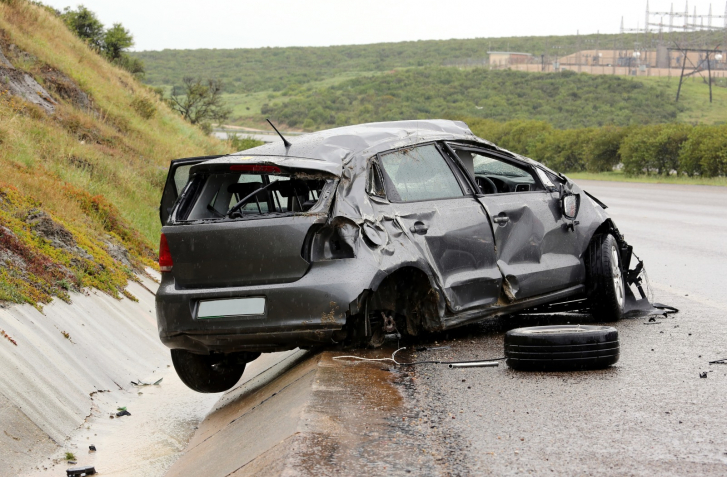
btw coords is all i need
(206, 373)
(561, 347)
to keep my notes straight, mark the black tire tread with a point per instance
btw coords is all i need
(197, 373)
(562, 348)
(601, 293)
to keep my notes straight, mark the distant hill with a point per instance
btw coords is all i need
(247, 70)
(313, 87)
(250, 70)
(565, 100)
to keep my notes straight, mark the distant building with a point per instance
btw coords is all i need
(503, 59)
(660, 57)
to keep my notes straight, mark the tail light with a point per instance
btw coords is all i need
(258, 168)
(165, 256)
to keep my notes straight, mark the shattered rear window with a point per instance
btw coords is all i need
(235, 195)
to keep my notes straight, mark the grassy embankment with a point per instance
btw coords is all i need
(695, 98)
(79, 187)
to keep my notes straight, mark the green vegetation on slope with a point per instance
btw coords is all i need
(694, 98)
(564, 99)
(82, 162)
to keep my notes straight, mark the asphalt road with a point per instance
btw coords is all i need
(650, 414)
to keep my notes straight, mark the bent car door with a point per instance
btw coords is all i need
(536, 251)
(450, 229)
(176, 180)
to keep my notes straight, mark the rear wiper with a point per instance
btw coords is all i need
(244, 200)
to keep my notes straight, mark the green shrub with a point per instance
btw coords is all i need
(638, 148)
(654, 149)
(705, 151)
(562, 150)
(601, 151)
(239, 143)
(144, 107)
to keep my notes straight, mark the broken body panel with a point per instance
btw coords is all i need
(383, 237)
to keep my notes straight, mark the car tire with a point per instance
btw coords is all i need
(561, 347)
(606, 287)
(206, 373)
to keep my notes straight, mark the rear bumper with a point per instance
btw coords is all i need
(303, 313)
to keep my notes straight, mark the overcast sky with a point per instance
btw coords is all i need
(182, 24)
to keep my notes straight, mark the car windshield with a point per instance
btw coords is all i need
(488, 166)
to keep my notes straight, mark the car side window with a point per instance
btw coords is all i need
(419, 173)
(497, 176)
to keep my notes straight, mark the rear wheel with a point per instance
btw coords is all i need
(210, 373)
(606, 285)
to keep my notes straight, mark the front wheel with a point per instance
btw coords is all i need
(606, 285)
(209, 373)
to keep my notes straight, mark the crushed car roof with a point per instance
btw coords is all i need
(331, 149)
(344, 152)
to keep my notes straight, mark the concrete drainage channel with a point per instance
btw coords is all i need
(69, 368)
(67, 380)
(311, 414)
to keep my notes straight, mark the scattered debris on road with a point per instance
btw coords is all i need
(719, 361)
(703, 374)
(80, 471)
(7, 337)
(139, 382)
(476, 364)
(452, 364)
(92, 448)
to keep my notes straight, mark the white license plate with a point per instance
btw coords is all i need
(231, 307)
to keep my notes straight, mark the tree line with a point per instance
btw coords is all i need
(653, 149)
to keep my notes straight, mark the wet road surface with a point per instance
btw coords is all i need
(651, 413)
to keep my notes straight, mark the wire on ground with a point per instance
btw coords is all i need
(471, 363)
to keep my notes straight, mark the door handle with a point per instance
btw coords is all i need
(502, 220)
(419, 228)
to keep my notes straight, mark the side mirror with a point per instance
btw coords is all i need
(570, 204)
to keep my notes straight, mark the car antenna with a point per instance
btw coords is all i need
(285, 141)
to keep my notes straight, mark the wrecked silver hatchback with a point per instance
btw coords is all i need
(352, 233)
